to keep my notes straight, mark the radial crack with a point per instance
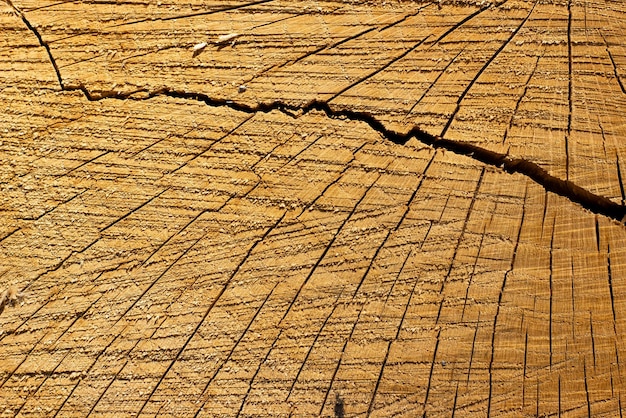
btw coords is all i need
(483, 68)
(40, 39)
(595, 203)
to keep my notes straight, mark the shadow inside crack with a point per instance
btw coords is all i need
(595, 203)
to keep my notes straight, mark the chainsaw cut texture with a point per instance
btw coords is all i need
(227, 250)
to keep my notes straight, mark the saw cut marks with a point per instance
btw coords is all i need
(547, 70)
(175, 257)
(274, 264)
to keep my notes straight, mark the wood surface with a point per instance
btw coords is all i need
(333, 208)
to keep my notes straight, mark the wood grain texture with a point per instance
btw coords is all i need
(289, 224)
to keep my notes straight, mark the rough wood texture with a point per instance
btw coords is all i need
(347, 209)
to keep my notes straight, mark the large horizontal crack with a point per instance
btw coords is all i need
(595, 203)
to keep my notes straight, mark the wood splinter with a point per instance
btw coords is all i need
(221, 41)
(10, 297)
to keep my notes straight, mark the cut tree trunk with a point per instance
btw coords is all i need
(303, 208)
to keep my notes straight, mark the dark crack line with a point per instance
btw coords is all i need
(52, 209)
(43, 43)
(470, 211)
(84, 163)
(464, 21)
(570, 104)
(108, 386)
(595, 203)
(205, 13)
(299, 153)
(98, 358)
(407, 209)
(471, 359)
(9, 235)
(551, 282)
(270, 153)
(232, 351)
(434, 82)
(12, 374)
(244, 402)
(325, 47)
(67, 398)
(341, 358)
(483, 68)
(171, 237)
(142, 54)
(347, 166)
(353, 37)
(330, 244)
(226, 285)
(132, 211)
(39, 276)
(273, 22)
(210, 146)
(473, 272)
(499, 306)
(611, 292)
(593, 340)
(373, 260)
(586, 380)
(430, 374)
(312, 346)
(158, 141)
(50, 5)
(84, 60)
(395, 280)
(379, 69)
(519, 100)
(54, 373)
(617, 77)
(370, 408)
(157, 279)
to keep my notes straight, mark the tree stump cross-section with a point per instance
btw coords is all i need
(312, 208)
